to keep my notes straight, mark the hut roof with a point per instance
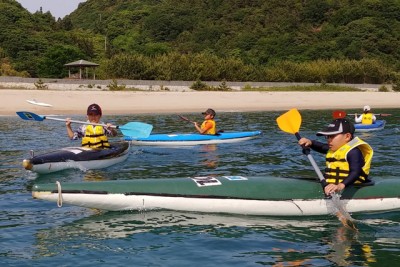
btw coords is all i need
(81, 63)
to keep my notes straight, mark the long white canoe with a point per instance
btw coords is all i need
(226, 194)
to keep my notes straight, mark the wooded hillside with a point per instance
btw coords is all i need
(242, 40)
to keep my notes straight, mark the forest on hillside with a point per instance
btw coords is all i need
(353, 41)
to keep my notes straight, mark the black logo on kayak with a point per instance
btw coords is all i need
(206, 181)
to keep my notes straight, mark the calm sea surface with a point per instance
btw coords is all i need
(37, 233)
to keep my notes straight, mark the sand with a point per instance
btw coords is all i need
(158, 102)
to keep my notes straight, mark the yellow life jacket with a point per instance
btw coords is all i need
(367, 118)
(337, 167)
(95, 137)
(212, 130)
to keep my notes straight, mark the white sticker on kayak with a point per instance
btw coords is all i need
(75, 151)
(235, 178)
(206, 181)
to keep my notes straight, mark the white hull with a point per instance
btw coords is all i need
(190, 143)
(81, 165)
(299, 207)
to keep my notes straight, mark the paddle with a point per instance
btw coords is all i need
(132, 129)
(339, 114)
(290, 122)
(185, 119)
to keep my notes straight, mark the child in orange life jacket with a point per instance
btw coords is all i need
(348, 158)
(366, 118)
(93, 136)
(209, 125)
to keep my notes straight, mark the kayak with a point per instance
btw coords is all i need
(77, 158)
(192, 138)
(270, 196)
(376, 126)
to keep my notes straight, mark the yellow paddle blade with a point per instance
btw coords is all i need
(290, 121)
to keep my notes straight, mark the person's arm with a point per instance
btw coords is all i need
(373, 118)
(110, 131)
(356, 162)
(314, 145)
(69, 129)
(319, 147)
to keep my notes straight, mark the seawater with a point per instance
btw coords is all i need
(38, 233)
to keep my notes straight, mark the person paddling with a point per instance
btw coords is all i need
(348, 158)
(93, 136)
(208, 126)
(366, 118)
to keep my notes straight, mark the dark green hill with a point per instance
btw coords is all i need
(256, 31)
(274, 40)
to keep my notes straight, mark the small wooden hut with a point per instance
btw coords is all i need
(83, 66)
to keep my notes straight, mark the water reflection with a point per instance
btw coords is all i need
(209, 155)
(275, 242)
(348, 250)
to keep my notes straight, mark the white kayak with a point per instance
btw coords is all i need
(77, 158)
(34, 102)
(264, 195)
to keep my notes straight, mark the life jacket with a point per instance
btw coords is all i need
(367, 118)
(95, 137)
(212, 130)
(337, 167)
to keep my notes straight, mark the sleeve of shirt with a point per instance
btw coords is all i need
(358, 119)
(356, 162)
(79, 133)
(319, 147)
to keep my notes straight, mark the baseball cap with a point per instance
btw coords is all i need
(94, 109)
(367, 108)
(338, 126)
(209, 111)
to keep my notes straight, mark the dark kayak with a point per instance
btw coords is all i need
(77, 158)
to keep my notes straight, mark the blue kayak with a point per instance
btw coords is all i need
(376, 126)
(192, 138)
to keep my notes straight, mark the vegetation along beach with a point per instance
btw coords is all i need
(282, 68)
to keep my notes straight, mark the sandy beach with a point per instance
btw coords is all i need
(136, 102)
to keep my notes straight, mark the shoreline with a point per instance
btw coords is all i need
(160, 102)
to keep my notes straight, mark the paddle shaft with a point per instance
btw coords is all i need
(131, 129)
(185, 119)
(312, 161)
(339, 114)
(81, 122)
(380, 114)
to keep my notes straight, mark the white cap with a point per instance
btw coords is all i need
(367, 108)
